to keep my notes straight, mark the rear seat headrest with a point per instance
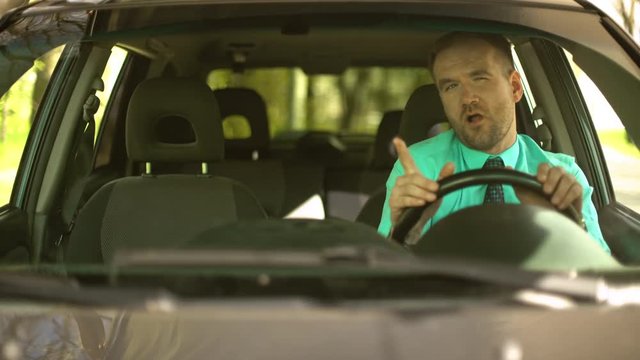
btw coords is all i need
(249, 104)
(423, 111)
(156, 104)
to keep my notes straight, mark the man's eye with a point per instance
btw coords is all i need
(481, 78)
(450, 87)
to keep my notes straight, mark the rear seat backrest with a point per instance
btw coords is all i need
(349, 189)
(423, 117)
(422, 112)
(384, 154)
(280, 185)
(250, 105)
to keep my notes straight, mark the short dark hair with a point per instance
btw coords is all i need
(499, 42)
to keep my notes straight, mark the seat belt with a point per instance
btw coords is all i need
(80, 168)
(543, 132)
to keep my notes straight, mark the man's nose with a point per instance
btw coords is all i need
(469, 96)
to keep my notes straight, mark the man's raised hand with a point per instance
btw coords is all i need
(412, 189)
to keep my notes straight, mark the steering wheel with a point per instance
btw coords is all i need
(477, 177)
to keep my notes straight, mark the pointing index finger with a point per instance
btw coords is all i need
(404, 156)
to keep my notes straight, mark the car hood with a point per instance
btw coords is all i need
(296, 328)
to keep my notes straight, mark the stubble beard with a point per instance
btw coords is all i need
(486, 137)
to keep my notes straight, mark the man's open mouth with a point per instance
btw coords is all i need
(474, 118)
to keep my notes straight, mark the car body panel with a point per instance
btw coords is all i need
(512, 323)
(296, 328)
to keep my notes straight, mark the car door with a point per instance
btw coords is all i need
(34, 67)
(596, 100)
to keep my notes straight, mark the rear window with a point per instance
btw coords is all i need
(351, 102)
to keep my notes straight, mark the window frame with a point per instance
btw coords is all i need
(576, 119)
(40, 126)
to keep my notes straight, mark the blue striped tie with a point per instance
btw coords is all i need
(494, 194)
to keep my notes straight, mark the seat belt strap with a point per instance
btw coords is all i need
(81, 166)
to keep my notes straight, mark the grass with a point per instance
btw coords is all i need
(617, 140)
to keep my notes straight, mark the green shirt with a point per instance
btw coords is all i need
(524, 155)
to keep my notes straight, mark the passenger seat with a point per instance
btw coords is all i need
(156, 211)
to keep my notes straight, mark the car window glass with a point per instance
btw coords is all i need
(105, 131)
(351, 102)
(531, 102)
(109, 77)
(621, 154)
(236, 127)
(17, 111)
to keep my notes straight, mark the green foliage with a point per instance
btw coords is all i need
(15, 122)
(618, 140)
(10, 153)
(17, 107)
(354, 101)
(236, 127)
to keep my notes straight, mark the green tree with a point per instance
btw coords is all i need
(627, 9)
(43, 69)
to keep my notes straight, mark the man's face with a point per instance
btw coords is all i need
(478, 94)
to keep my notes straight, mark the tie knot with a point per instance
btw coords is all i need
(494, 163)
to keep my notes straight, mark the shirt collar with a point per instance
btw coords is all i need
(475, 159)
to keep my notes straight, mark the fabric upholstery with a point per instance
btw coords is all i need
(249, 104)
(169, 211)
(157, 100)
(372, 209)
(265, 178)
(383, 151)
(156, 211)
(421, 113)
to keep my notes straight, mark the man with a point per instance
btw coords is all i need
(479, 89)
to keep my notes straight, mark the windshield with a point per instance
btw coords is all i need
(207, 146)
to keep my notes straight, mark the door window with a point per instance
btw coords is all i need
(17, 111)
(621, 154)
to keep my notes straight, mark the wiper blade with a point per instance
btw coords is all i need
(383, 261)
(240, 257)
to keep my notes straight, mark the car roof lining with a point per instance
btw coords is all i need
(322, 46)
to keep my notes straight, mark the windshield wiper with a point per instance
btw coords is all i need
(383, 261)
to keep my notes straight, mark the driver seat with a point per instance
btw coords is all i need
(156, 211)
(423, 117)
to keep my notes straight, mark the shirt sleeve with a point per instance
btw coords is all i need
(589, 212)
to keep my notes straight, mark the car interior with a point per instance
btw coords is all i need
(186, 142)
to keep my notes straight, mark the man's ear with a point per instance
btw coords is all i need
(516, 85)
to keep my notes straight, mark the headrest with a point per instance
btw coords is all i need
(384, 154)
(423, 111)
(249, 104)
(181, 105)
